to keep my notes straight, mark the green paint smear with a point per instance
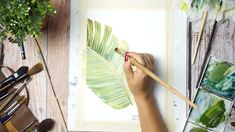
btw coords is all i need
(218, 71)
(197, 129)
(220, 79)
(214, 115)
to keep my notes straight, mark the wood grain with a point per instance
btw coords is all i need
(223, 46)
(58, 58)
(55, 46)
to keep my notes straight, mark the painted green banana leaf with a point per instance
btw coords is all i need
(104, 73)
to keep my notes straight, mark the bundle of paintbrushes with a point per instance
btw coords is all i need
(15, 116)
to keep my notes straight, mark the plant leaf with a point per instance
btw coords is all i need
(105, 76)
(198, 4)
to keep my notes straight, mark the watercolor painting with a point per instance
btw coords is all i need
(190, 127)
(219, 78)
(104, 72)
(99, 99)
(212, 112)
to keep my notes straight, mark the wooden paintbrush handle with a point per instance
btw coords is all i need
(156, 78)
(204, 18)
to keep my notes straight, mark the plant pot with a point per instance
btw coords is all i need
(44, 23)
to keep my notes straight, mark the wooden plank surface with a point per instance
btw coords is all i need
(223, 46)
(55, 46)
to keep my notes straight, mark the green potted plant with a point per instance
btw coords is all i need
(195, 8)
(20, 18)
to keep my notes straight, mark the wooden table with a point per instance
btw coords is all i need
(55, 46)
(223, 46)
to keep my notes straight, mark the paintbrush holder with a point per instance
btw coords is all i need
(3, 128)
(22, 120)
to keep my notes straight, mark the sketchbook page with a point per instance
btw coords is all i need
(76, 60)
(145, 30)
(177, 71)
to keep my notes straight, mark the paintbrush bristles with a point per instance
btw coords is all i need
(35, 69)
(119, 52)
(44, 126)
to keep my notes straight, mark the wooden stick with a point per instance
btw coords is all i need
(156, 78)
(209, 47)
(204, 18)
(51, 84)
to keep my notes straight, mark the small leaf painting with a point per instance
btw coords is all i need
(104, 73)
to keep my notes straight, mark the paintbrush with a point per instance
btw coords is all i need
(16, 107)
(156, 78)
(14, 76)
(44, 126)
(204, 18)
(34, 70)
(7, 116)
(22, 51)
(51, 84)
(28, 126)
(12, 105)
(14, 94)
(208, 49)
(4, 94)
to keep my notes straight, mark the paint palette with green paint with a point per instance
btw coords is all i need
(214, 98)
(219, 78)
(190, 127)
(212, 113)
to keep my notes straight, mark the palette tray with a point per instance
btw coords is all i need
(214, 98)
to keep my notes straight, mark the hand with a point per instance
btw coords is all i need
(139, 82)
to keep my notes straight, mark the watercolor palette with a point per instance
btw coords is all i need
(214, 98)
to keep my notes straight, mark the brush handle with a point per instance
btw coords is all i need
(3, 94)
(50, 83)
(2, 107)
(204, 18)
(156, 78)
(207, 53)
(22, 51)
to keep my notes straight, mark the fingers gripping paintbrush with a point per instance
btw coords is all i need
(156, 78)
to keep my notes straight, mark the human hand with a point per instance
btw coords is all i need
(138, 81)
